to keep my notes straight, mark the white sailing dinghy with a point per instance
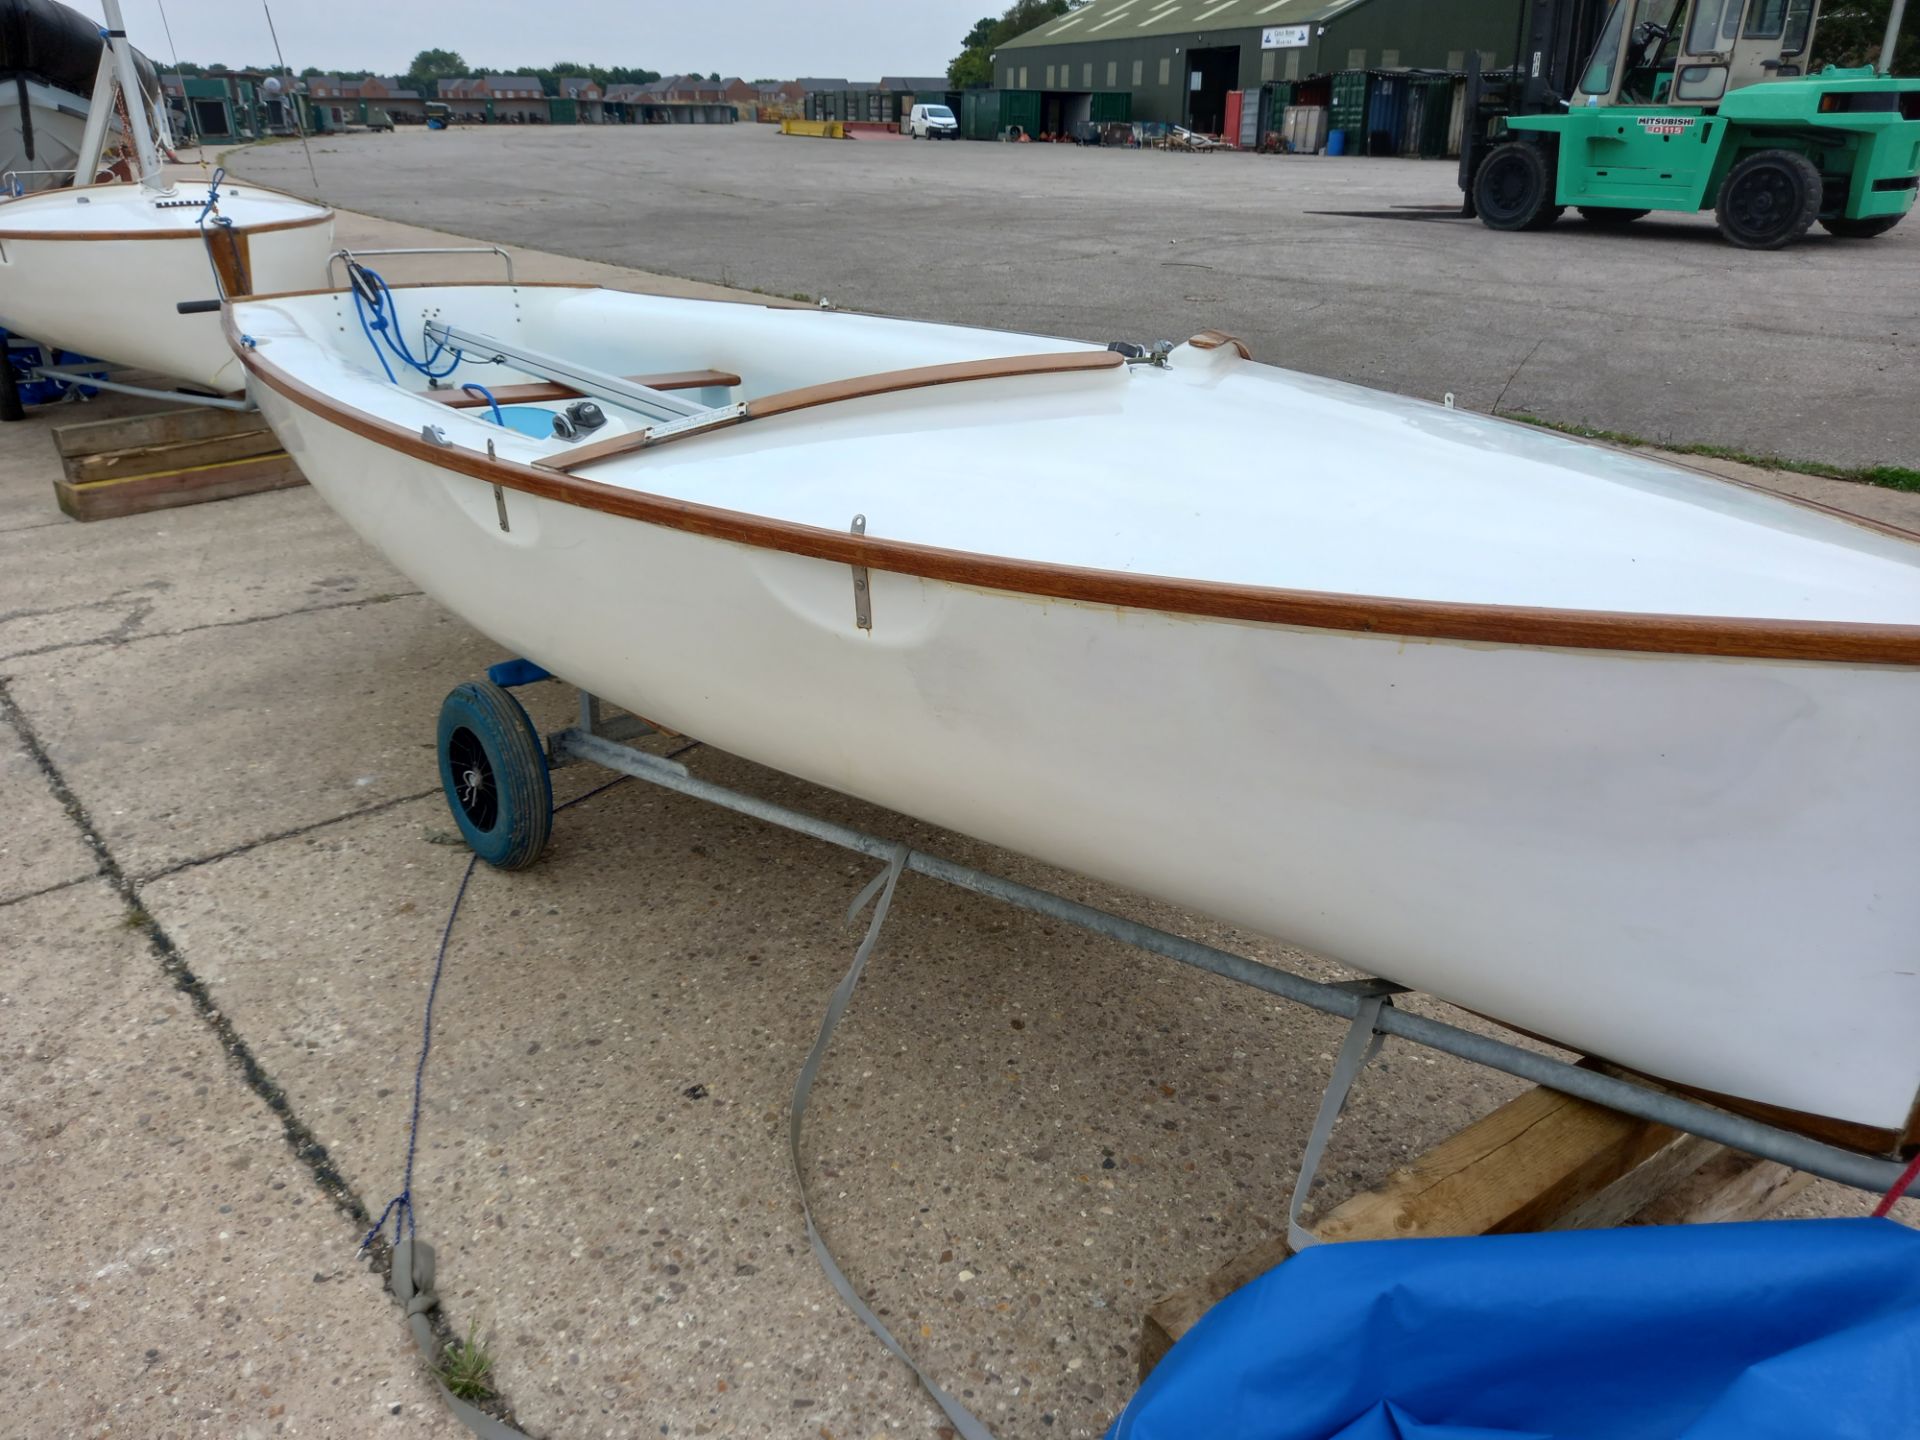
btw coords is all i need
(102, 269)
(1616, 753)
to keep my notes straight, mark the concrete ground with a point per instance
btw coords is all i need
(224, 872)
(1345, 267)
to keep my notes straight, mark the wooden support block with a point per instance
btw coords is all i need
(134, 494)
(1543, 1161)
(1729, 1187)
(1529, 1165)
(160, 427)
(170, 456)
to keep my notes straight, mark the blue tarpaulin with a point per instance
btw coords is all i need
(1778, 1330)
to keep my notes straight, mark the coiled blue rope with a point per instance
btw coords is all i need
(379, 320)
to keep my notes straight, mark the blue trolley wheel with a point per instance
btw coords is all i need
(494, 775)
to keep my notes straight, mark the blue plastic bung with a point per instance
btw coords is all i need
(1775, 1330)
(1336, 142)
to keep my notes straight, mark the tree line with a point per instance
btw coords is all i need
(431, 66)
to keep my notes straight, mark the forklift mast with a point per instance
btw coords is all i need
(1556, 39)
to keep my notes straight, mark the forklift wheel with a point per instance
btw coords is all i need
(1768, 200)
(1514, 189)
(1845, 229)
(1608, 218)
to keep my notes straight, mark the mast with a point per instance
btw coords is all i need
(117, 68)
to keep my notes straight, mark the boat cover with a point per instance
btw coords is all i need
(1760, 1331)
(43, 39)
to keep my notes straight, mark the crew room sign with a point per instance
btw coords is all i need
(1284, 37)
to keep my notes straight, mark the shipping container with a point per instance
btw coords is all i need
(1111, 107)
(988, 114)
(564, 111)
(1349, 108)
(1386, 115)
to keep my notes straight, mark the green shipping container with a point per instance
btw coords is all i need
(1113, 107)
(984, 114)
(1350, 107)
(564, 110)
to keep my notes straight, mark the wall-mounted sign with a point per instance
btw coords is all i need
(1284, 37)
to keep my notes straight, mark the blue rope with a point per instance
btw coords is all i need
(373, 302)
(485, 394)
(401, 1206)
(213, 195)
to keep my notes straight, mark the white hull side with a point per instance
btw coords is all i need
(114, 299)
(1685, 864)
(58, 118)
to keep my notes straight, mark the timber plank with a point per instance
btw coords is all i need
(135, 494)
(1535, 1160)
(174, 455)
(160, 427)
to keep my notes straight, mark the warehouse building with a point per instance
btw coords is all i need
(1180, 59)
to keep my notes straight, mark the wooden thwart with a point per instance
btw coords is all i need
(138, 463)
(1544, 1161)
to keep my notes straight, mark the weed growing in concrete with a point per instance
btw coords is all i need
(466, 1367)
(1892, 477)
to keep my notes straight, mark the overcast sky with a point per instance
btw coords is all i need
(857, 39)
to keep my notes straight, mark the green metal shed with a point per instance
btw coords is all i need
(1179, 58)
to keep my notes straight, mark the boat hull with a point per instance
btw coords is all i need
(53, 121)
(112, 293)
(1684, 863)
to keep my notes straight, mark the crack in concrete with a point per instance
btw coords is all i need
(52, 889)
(246, 845)
(298, 1134)
(174, 966)
(119, 638)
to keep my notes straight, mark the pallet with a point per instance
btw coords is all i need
(138, 463)
(1543, 1161)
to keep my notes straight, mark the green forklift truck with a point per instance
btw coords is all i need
(1692, 105)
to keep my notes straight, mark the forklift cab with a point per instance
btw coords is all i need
(1692, 52)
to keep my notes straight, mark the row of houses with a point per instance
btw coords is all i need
(237, 105)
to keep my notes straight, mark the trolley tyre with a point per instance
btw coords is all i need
(494, 775)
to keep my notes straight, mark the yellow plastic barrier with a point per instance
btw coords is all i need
(824, 129)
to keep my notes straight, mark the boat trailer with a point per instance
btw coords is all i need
(496, 770)
(1367, 1005)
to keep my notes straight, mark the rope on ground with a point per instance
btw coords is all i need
(882, 885)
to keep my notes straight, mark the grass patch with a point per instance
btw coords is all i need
(466, 1368)
(136, 918)
(1892, 477)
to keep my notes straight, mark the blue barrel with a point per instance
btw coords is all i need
(1336, 142)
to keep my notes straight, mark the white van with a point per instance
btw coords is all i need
(936, 122)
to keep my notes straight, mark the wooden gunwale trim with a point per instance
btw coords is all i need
(194, 233)
(1842, 642)
(582, 287)
(861, 387)
(326, 214)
